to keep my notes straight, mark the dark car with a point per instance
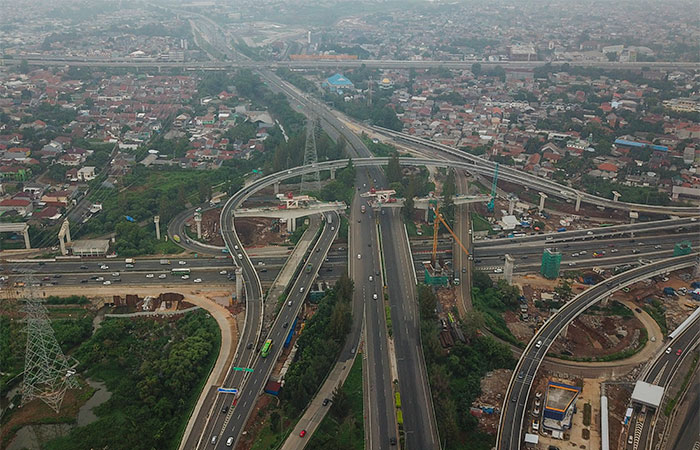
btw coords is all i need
(286, 324)
(249, 346)
(84, 281)
(224, 410)
(392, 440)
(84, 267)
(326, 401)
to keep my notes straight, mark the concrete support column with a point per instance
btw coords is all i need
(578, 202)
(508, 268)
(239, 283)
(604, 302)
(62, 244)
(511, 206)
(426, 215)
(198, 223)
(616, 196)
(697, 269)
(156, 221)
(67, 230)
(277, 187)
(543, 197)
(27, 244)
(634, 215)
(291, 225)
(332, 174)
(565, 331)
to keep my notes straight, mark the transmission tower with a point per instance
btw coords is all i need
(47, 372)
(310, 181)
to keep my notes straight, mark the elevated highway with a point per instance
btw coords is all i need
(515, 400)
(487, 167)
(240, 62)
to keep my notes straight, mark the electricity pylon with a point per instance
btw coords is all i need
(47, 372)
(310, 181)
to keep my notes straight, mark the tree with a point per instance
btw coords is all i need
(341, 403)
(563, 289)
(393, 169)
(476, 70)
(275, 421)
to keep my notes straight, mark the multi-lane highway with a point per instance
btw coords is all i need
(515, 401)
(416, 400)
(234, 421)
(661, 373)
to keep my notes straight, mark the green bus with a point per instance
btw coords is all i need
(179, 271)
(266, 348)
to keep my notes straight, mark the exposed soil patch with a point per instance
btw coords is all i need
(493, 385)
(259, 231)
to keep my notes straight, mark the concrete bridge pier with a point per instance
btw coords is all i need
(156, 221)
(277, 187)
(543, 197)
(333, 174)
(578, 202)
(291, 225)
(198, 222)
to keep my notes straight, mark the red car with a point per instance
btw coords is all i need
(302, 433)
(678, 352)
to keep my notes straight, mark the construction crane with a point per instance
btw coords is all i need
(436, 227)
(494, 186)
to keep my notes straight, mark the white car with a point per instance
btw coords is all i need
(538, 344)
(115, 274)
(197, 280)
(359, 256)
(535, 425)
(100, 279)
(162, 276)
(240, 256)
(185, 277)
(498, 270)
(182, 263)
(371, 278)
(107, 283)
(261, 263)
(668, 350)
(149, 275)
(375, 296)
(223, 272)
(104, 267)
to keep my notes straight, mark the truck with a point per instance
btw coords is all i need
(669, 291)
(129, 260)
(164, 262)
(329, 218)
(363, 208)
(560, 230)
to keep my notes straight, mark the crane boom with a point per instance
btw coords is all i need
(436, 227)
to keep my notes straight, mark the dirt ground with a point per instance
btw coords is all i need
(210, 227)
(256, 232)
(593, 335)
(493, 385)
(448, 301)
(618, 401)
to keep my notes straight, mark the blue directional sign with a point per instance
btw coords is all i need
(228, 390)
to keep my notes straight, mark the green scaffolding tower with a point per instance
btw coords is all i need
(551, 260)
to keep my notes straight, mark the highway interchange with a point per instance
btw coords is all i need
(421, 431)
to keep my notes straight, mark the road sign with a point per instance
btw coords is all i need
(242, 369)
(228, 390)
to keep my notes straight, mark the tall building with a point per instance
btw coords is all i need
(551, 260)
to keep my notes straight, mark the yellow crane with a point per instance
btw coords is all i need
(436, 227)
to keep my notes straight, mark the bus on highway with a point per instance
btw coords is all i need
(266, 348)
(180, 271)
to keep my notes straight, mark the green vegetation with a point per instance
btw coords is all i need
(686, 380)
(479, 223)
(154, 370)
(453, 387)
(318, 346)
(297, 234)
(632, 194)
(379, 149)
(614, 308)
(492, 300)
(70, 300)
(657, 312)
(387, 313)
(343, 428)
(297, 80)
(342, 188)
